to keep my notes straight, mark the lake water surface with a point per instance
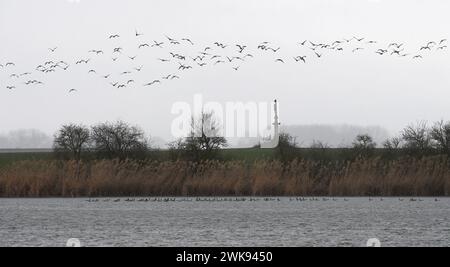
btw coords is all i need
(188, 222)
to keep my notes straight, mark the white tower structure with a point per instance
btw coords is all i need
(273, 143)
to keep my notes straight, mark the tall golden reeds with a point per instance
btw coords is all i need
(429, 176)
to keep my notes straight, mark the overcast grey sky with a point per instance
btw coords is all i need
(353, 88)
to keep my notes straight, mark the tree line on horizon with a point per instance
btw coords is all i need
(120, 140)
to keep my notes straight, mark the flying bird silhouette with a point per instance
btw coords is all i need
(302, 58)
(152, 83)
(187, 40)
(157, 44)
(241, 48)
(137, 34)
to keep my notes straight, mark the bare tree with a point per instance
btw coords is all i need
(119, 140)
(440, 134)
(317, 144)
(204, 140)
(364, 142)
(393, 143)
(72, 138)
(417, 137)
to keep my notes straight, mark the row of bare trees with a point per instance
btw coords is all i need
(420, 137)
(109, 140)
(120, 140)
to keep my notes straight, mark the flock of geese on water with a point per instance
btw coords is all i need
(239, 199)
(217, 53)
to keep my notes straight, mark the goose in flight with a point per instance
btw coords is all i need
(241, 48)
(218, 62)
(96, 51)
(396, 52)
(85, 61)
(118, 50)
(220, 45)
(417, 56)
(358, 39)
(106, 76)
(114, 84)
(172, 41)
(139, 68)
(442, 47)
(335, 43)
(10, 87)
(53, 49)
(130, 81)
(202, 64)
(347, 40)
(396, 45)
(174, 77)
(92, 71)
(318, 55)
(164, 60)
(121, 86)
(137, 34)
(187, 40)
(425, 48)
(10, 64)
(442, 41)
(143, 45)
(157, 44)
(303, 43)
(357, 49)
(167, 77)
(279, 60)
(14, 76)
(184, 67)
(273, 49)
(132, 58)
(152, 83)
(114, 36)
(236, 68)
(72, 91)
(302, 58)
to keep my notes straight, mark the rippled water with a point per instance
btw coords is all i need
(342, 222)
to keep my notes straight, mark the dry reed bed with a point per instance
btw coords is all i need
(365, 177)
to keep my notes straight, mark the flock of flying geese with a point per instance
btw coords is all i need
(217, 53)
